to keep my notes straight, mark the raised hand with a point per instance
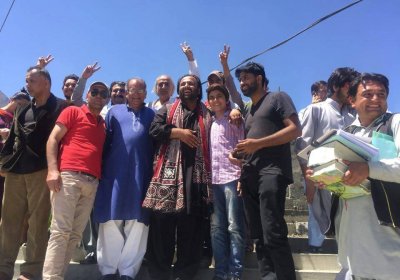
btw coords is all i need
(187, 50)
(89, 70)
(43, 61)
(224, 55)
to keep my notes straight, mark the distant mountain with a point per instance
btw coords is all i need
(3, 99)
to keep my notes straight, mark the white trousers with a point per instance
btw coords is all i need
(121, 246)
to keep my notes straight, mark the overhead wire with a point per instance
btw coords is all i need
(8, 13)
(262, 52)
(298, 33)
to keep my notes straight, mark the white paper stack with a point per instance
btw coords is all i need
(326, 158)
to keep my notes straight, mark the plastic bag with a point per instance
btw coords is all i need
(385, 144)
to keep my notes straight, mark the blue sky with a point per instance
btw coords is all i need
(141, 38)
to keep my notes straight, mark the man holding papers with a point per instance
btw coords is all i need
(367, 227)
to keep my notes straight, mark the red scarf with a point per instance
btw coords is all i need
(166, 189)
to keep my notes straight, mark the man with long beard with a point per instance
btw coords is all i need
(180, 187)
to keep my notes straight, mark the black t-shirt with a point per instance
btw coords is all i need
(264, 119)
(31, 129)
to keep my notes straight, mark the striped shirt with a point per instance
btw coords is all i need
(223, 139)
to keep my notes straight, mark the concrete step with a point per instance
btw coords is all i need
(316, 262)
(313, 275)
(299, 244)
(297, 221)
(303, 261)
(90, 272)
(291, 214)
(308, 267)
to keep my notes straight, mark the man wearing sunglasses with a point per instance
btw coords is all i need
(77, 94)
(117, 96)
(117, 90)
(74, 152)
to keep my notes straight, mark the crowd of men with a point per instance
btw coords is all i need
(159, 178)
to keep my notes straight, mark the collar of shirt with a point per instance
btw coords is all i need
(371, 125)
(50, 104)
(132, 110)
(225, 116)
(333, 103)
(86, 110)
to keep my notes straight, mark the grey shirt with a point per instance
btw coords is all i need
(77, 94)
(317, 119)
(321, 117)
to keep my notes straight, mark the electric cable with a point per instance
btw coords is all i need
(298, 33)
(5, 19)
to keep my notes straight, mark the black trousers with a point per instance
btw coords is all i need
(264, 201)
(1, 193)
(166, 230)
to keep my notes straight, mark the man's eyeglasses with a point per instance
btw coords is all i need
(121, 90)
(136, 91)
(103, 93)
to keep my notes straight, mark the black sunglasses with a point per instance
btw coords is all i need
(103, 93)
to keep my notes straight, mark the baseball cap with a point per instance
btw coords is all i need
(20, 95)
(218, 74)
(251, 67)
(101, 84)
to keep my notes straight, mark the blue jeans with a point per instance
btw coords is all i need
(315, 237)
(227, 231)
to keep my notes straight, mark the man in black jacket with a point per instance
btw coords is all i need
(23, 163)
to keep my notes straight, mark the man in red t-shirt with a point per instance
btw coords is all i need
(74, 152)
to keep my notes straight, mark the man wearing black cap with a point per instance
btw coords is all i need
(23, 161)
(270, 124)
